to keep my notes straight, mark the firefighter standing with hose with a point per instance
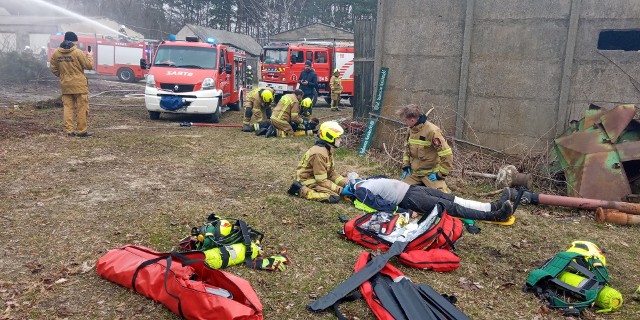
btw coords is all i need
(427, 158)
(316, 177)
(258, 104)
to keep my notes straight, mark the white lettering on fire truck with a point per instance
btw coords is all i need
(179, 73)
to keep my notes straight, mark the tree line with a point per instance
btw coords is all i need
(156, 19)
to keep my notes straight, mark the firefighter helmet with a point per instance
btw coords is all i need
(330, 131)
(266, 95)
(587, 249)
(306, 103)
(336, 70)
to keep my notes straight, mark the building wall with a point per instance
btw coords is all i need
(519, 74)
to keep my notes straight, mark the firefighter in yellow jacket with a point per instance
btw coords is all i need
(316, 177)
(427, 157)
(336, 89)
(257, 103)
(288, 119)
(68, 63)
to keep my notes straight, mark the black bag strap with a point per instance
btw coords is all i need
(355, 295)
(166, 289)
(244, 229)
(142, 266)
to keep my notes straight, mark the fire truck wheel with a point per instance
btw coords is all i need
(154, 115)
(126, 75)
(215, 117)
(327, 99)
(351, 101)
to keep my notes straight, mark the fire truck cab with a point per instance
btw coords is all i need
(112, 57)
(194, 77)
(282, 64)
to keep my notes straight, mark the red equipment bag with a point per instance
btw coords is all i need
(439, 260)
(442, 233)
(182, 282)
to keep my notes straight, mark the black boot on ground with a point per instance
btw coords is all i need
(507, 194)
(331, 199)
(247, 128)
(295, 188)
(261, 132)
(271, 132)
(504, 212)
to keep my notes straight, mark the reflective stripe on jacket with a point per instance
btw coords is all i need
(287, 110)
(426, 150)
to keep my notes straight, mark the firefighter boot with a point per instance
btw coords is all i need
(295, 188)
(247, 128)
(332, 199)
(261, 132)
(271, 132)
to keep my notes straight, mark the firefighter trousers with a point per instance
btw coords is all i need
(424, 180)
(75, 106)
(316, 193)
(258, 114)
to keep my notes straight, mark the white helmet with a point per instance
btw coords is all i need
(248, 67)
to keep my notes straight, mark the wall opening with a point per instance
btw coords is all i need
(625, 40)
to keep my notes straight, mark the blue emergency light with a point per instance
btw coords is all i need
(58, 33)
(172, 37)
(211, 40)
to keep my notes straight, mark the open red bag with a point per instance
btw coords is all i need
(439, 260)
(182, 282)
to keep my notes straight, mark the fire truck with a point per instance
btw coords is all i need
(194, 77)
(112, 57)
(282, 64)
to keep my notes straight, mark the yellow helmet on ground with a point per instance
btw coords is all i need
(330, 131)
(587, 249)
(306, 103)
(336, 70)
(266, 95)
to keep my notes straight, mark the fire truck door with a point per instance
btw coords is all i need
(223, 77)
(105, 55)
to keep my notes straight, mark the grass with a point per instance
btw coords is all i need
(67, 201)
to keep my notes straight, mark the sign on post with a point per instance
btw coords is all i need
(375, 109)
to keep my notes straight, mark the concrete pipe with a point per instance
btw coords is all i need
(615, 216)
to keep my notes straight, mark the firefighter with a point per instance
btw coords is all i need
(308, 82)
(316, 177)
(287, 119)
(336, 89)
(68, 63)
(427, 157)
(258, 104)
(249, 76)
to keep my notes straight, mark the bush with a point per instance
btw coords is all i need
(20, 67)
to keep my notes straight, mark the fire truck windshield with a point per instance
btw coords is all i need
(186, 57)
(273, 56)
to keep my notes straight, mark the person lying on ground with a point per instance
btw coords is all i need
(381, 194)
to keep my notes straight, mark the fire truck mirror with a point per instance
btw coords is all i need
(229, 69)
(143, 63)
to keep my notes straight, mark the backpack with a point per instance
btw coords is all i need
(430, 237)
(182, 282)
(209, 235)
(376, 230)
(573, 282)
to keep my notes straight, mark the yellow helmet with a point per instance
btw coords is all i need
(266, 95)
(587, 249)
(225, 227)
(306, 103)
(330, 131)
(336, 70)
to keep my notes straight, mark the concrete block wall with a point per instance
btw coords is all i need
(527, 69)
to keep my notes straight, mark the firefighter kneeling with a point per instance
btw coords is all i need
(288, 118)
(316, 177)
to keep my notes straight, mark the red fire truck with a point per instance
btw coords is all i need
(111, 56)
(282, 64)
(194, 77)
